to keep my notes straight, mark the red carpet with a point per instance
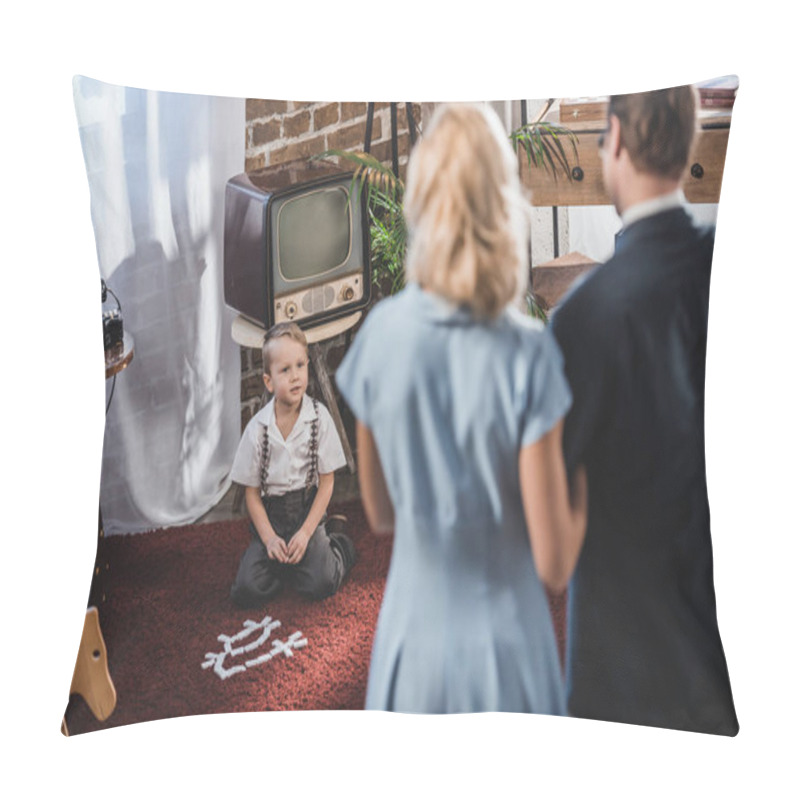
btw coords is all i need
(167, 602)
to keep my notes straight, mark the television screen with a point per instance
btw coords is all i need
(314, 232)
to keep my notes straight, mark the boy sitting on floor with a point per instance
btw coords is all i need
(286, 460)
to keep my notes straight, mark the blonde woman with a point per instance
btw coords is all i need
(459, 401)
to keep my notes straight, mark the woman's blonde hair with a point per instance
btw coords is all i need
(466, 215)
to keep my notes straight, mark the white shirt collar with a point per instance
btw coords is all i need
(267, 414)
(653, 206)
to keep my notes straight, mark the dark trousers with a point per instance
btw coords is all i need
(320, 572)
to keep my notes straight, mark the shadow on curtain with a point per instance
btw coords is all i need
(157, 164)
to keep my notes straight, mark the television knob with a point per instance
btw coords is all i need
(291, 309)
(348, 293)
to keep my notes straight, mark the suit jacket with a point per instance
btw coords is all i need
(643, 643)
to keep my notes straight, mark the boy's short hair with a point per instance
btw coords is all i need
(657, 128)
(290, 329)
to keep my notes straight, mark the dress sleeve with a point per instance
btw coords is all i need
(548, 396)
(354, 375)
(330, 455)
(246, 463)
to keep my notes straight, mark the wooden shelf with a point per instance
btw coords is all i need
(701, 183)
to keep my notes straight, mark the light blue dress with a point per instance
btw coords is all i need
(465, 624)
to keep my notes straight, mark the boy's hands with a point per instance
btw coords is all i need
(277, 550)
(296, 548)
(290, 552)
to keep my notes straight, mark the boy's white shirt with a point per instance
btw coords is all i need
(288, 459)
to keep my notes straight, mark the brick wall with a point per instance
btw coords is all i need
(279, 131)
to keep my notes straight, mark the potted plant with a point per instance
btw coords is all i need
(386, 222)
(543, 143)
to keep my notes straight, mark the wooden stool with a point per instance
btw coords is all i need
(91, 679)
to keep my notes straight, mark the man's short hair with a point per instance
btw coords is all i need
(290, 329)
(657, 128)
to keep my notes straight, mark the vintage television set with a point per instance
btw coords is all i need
(296, 245)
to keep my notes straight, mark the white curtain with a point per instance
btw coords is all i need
(157, 165)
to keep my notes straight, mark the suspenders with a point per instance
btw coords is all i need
(313, 443)
(311, 476)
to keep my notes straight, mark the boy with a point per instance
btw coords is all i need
(286, 460)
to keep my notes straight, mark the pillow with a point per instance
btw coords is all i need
(203, 209)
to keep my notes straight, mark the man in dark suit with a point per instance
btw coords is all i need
(643, 644)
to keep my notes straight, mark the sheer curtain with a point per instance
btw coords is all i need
(157, 164)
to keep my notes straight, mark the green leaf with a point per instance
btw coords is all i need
(543, 146)
(534, 309)
(557, 151)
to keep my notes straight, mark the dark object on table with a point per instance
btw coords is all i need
(112, 325)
